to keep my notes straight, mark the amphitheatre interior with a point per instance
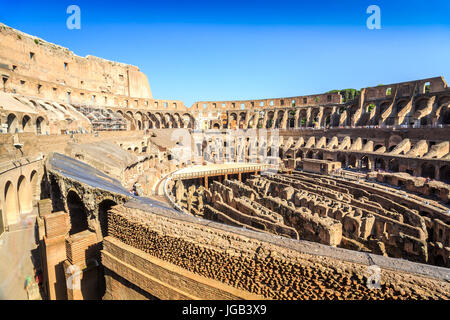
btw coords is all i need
(301, 197)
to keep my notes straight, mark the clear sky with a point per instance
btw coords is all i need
(230, 50)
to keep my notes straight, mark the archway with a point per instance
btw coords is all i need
(13, 123)
(444, 173)
(365, 163)
(39, 125)
(352, 161)
(379, 164)
(26, 124)
(393, 165)
(24, 195)
(103, 209)
(341, 158)
(11, 206)
(77, 212)
(428, 171)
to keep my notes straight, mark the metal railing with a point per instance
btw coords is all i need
(213, 172)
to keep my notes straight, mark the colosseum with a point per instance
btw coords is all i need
(107, 193)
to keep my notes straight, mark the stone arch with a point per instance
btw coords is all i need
(302, 119)
(10, 203)
(352, 161)
(103, 209)
(379, 164)
(242, 117)
(56, 195)
(77, 212)
(365, 162)
(393, 142)
(384, 106)
(178, 120)
(342, 159)
(445, 115)
(13, 123)
(428, 170)
(26, 124)
(444, 173)
(394, 165)
(24, 195)
(377, 147)
(270, 116)
(188, 121)
(40, 125)
(279, 119)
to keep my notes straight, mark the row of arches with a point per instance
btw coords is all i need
(25, 123)
(366, 163)
(421, 111)
(79, 214)
(17, 197)
(155, 120)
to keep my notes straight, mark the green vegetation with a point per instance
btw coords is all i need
(36, 41)
(292, 112)
(371, 107)
(347, 94)
(19, 37)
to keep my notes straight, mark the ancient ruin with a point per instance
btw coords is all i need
(323, 196)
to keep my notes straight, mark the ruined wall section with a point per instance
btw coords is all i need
(36, 62)
(262, 264)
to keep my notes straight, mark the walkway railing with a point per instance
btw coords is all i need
(215, 172)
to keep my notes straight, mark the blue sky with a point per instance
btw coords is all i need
(229, 50)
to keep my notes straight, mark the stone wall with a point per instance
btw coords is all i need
(263, 264)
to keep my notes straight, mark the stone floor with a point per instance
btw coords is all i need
(18, 256)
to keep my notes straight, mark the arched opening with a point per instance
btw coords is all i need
(393, 165)
(352, 161)
(77, 212)
(26, 124)
(103, 209)
(13, 123)
(377, 147)
(428, 171)
(39, 125)
(24, 195)
(392, 148)
(445, 117)
(11, 206)
(444, 173)
(342, 160)
(365, 163)
(379, 164)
